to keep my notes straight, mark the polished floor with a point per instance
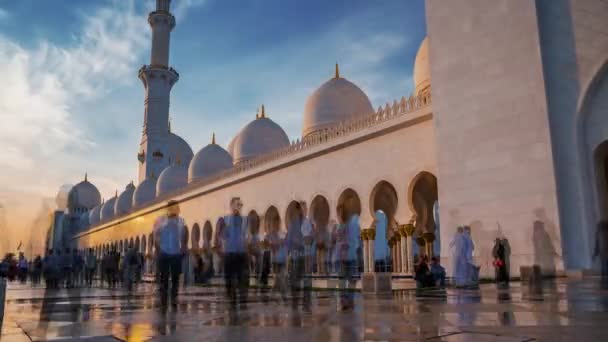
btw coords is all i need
(560, 310)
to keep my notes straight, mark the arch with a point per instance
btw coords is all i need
(207, 233)
(151, 243)
(272, 220)
(120, 246)
(131, 243)
(196, 236)
(253, 220)
(293, 212)
(422, 195)
(187, 232)
(137, 244)
(348, 204)
(319, 213)
(384, 198)
(144, 245)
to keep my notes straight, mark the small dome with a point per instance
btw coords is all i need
(422, 68)
(125, 200)
(84, 221)
(94, 215)
(336, 100)
(145, 191)
(172, 178)
(260, 136)
(179, 149)
(83, 197)
(210, 160)
(107, 209)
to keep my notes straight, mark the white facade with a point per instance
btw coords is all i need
(512, 143)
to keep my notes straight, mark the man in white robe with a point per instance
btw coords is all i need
(459, 269)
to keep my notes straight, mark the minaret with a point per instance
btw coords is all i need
(158, 79)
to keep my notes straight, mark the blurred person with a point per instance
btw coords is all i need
(601, 249)
(90, 267)
(36, 270)
(279, 259)
(266, 260)
(78, 269)
(437, 272)
(348, 241)
(67, 268)
(23, 268)
(130, 265)
(235, 238)
(171, 243)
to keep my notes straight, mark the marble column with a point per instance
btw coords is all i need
(405, 266)
(409, 230)
(371, 236)
(429, 238)
(365, 250)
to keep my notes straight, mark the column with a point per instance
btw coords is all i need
(365, 250)
(372, 241)
(405, 266)
(409, 230)
(429, 238)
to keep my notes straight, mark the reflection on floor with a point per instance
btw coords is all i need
(556, 311)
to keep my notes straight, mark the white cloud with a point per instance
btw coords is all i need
(41, 133)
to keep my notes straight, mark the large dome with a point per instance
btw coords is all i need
(94, 215)
(210, 160)
(145, 191)
(83, 197)
(172, 178)
(179, 149)
(260, 136)
(107, 210)
(336, 100)
(422, 68)
(125, 200)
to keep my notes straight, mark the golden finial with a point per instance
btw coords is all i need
(263, 115)
(116, 193)
(86, 177)
(257, 114)
(213, 139)
(337, 71)
(178, 160)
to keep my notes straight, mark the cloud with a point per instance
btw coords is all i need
(43, 107)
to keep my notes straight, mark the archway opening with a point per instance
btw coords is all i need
(293, 214)
(196, 236)
(144, 245)
(384, 199)
(600, 157)
(349, 204)
(423, 197)
(272, 220)
(137, 244)
(253, 220)
(207, 234)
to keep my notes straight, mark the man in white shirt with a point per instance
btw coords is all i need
(171, 245)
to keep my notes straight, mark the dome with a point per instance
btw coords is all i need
(145, 191)
(83, 197)
(422, 68)
(172, 178)
(179, 149)
(210, 160)
(94, 215)
(336, 100)
(125, 200)
(107, 209)
(260, 136)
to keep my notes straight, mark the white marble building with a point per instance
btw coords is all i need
(512, 142)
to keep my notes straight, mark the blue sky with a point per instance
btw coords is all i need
(75, 104)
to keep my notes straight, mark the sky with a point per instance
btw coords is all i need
(72, 103)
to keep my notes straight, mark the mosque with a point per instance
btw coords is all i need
(506, 132)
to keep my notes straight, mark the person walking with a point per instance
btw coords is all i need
(90, 266)
(22, 266)
(296, 252)
(601, 249)
(348, 245)
(171, 243)
(236, 263)
(130, 266)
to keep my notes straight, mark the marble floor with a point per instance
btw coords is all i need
(560, 310)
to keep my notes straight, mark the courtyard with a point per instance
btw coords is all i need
(559, 310)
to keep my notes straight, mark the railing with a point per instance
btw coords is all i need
(341, 129)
